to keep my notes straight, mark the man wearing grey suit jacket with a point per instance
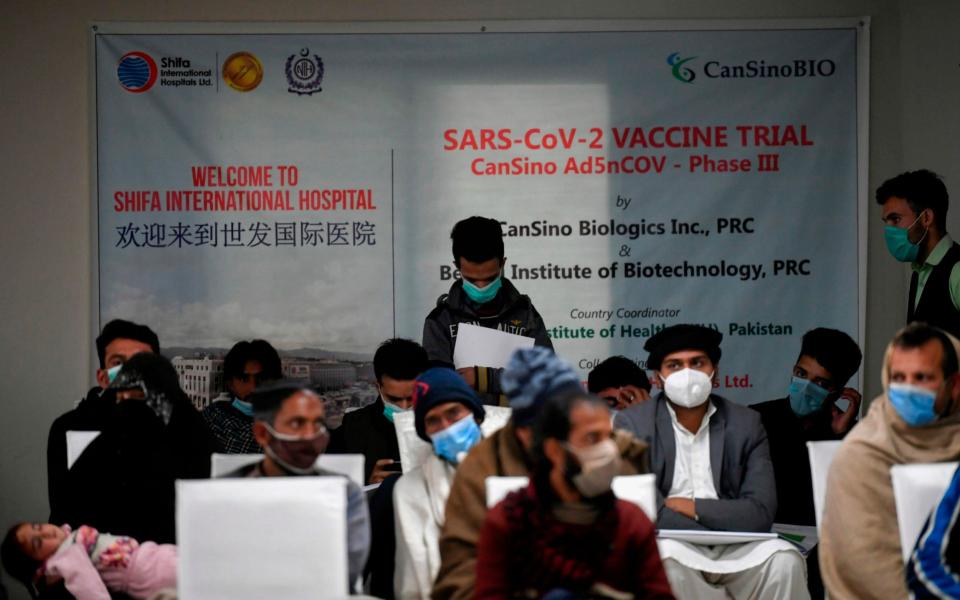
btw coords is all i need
(714, 472)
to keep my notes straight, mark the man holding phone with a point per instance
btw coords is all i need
(810, 412)
(818, 407)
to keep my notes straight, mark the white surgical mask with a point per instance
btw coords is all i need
(688, 387)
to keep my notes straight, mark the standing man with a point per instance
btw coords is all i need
(914, 209)
(482, 296)
(370, 430)
(245, 367)
(117, 342)
(713, 469)
(289, 423)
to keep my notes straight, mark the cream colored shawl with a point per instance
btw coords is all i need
(860, 553)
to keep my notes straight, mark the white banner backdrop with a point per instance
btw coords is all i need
(301, 186)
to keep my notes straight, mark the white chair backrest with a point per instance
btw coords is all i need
(917, 489)
(821, 455)
(249, 539)
(350, 465)
(638, 489)
(499, 487)
(413, 450)
(221, 464)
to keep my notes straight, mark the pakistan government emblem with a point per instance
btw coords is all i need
(304, 73)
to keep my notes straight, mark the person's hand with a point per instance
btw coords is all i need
(630, 395)
(380, 470)
(469, 375)
(685, 506)
(843, 420)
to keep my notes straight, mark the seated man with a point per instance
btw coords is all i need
(620, 382)
(289, 423)
(713, 471)
(931, 572)
(246, 365)
(916, 420)
(117, 342)
(448, 414)
(481, 296)
(124, 480)
(532, 376)
(828, 359)
(370, 431)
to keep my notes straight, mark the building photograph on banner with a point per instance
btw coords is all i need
(301, 186)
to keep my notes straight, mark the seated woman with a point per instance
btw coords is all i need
(566, 535)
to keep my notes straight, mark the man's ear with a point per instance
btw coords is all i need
(503, 262)
(261, 434)
(554, 451)
(103, 380)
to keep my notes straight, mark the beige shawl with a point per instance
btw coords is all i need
(860, 553)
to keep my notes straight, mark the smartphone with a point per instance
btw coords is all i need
(393, 467)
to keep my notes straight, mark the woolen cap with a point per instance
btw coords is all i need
(682, 337)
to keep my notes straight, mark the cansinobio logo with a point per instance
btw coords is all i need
(137, 72)
(752, 69)
(680, 72)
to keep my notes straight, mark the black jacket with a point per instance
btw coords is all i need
(368, 432)
(123, 482)
(509, 311)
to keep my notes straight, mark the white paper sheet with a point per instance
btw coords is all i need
(485, 347)
(713, 538)
(77, 442)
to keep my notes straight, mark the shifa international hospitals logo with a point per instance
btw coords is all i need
(683, 70)
(137, 72)
(680, 72)
(242, 71)
(304, 73)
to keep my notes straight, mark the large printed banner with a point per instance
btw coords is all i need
(301, 187)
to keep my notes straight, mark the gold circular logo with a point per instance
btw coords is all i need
(242, 71)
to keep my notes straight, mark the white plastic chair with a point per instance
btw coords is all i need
(821, 456)
(350, 465)
(916, 490)
(638, 489)
(249, 539)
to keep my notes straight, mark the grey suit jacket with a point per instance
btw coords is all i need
(739, 459)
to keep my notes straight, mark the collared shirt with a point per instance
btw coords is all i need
(692, 476)
(926, 267)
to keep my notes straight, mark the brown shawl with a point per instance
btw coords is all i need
(860, 553)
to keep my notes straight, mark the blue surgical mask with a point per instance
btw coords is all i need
(390, 409)
(914, 404)
(898, 242)
(244, 407)
(112, 372)
(455, 441)
(482, 295)
(806, 397)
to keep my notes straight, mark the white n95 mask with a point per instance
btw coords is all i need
(688, 387)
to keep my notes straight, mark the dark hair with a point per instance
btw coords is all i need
(616, 371)
(399, 358)
(553, 422)
(18, 563)
(477, 239)
(921, 189)
(834, 350)
(916, 335)
(120, 329)
(268, 399)
(258, 350)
